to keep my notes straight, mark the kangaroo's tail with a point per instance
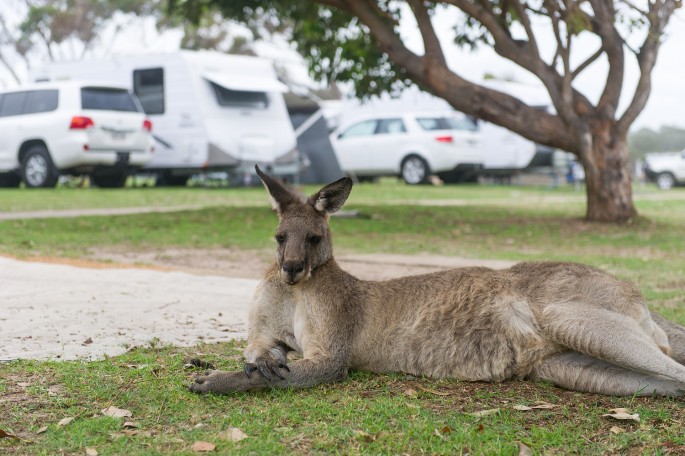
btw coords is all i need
(675, 334)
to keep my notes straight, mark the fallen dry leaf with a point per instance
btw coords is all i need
(203, 447)
(7, 435)
(485, 412)
(543, 405)
(522, 408)
(65, 421)
(624, 416)
(616, 430)
(619, 410)
(446, 430)
(233, 434)
(23, 384)
(115, 412)
(131, 424)
(437, 393)
(524, 450)
(91, 452)
(87, 341)
(41, 430)
(410, 392)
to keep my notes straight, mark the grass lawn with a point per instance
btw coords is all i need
(368, 414)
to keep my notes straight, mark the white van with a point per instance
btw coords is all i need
(49, 129)
(212, 111)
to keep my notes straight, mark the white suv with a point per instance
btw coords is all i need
(48, 129)
(666, 168)
(413, 145)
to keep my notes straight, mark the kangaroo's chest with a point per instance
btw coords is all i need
(301, 335)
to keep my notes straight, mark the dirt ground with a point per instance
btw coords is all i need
(251, 264)
(55, 308)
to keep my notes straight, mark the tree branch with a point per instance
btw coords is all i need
(563, 51)
(659, 14)
(525, 21)
(431, 44)
(580, 68)
(612, 42)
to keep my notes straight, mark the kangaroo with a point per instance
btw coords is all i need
(570, 324)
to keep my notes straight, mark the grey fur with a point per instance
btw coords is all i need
(567, 323)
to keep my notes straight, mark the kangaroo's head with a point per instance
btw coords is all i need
(303, 235)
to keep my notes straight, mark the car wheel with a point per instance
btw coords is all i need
(414, 170)
(116, 180)
(665, 181)
(37, 169)
(9, 180)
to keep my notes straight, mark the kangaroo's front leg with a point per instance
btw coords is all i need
(268, 362)
(301, 374)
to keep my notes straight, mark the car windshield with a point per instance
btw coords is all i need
(110, 99)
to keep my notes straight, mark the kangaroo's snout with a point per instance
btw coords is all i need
(292, 271)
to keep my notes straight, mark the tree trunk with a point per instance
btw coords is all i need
(608, 174)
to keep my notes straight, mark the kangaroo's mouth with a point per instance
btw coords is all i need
(293, 278)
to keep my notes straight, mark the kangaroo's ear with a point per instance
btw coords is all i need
(332, 197)
(281, 197)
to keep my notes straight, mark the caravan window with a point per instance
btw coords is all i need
(148, 85)
(240, 98)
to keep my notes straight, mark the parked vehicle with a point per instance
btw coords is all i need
(213, 112)
(666, 169)
(55, 128)
(413, 145)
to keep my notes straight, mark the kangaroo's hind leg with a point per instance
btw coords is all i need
(612, 337)
(579, 372)
(675, 334)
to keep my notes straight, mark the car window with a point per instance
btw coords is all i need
(148, 85)
(41, 101)
(432, 123)
(12, 104)
(461, 123)
(240, 98)
(390, 126)
(109, 99)
(365, 128)
(447, 123)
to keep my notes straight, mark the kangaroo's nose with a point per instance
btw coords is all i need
(292, 268)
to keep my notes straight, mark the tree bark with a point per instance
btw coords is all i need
(608, 173)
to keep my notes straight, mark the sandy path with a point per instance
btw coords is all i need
(88, 309)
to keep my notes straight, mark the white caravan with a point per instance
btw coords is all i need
(211, 111)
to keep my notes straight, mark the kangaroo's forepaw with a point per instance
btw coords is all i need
(267, 368)
(210, 382)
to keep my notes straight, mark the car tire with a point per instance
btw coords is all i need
(414, 170)
(9, 180)
(115, 180)
(37, 169)
(665, 181)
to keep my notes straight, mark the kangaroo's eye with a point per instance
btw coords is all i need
(314, 240)
(280, 238)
